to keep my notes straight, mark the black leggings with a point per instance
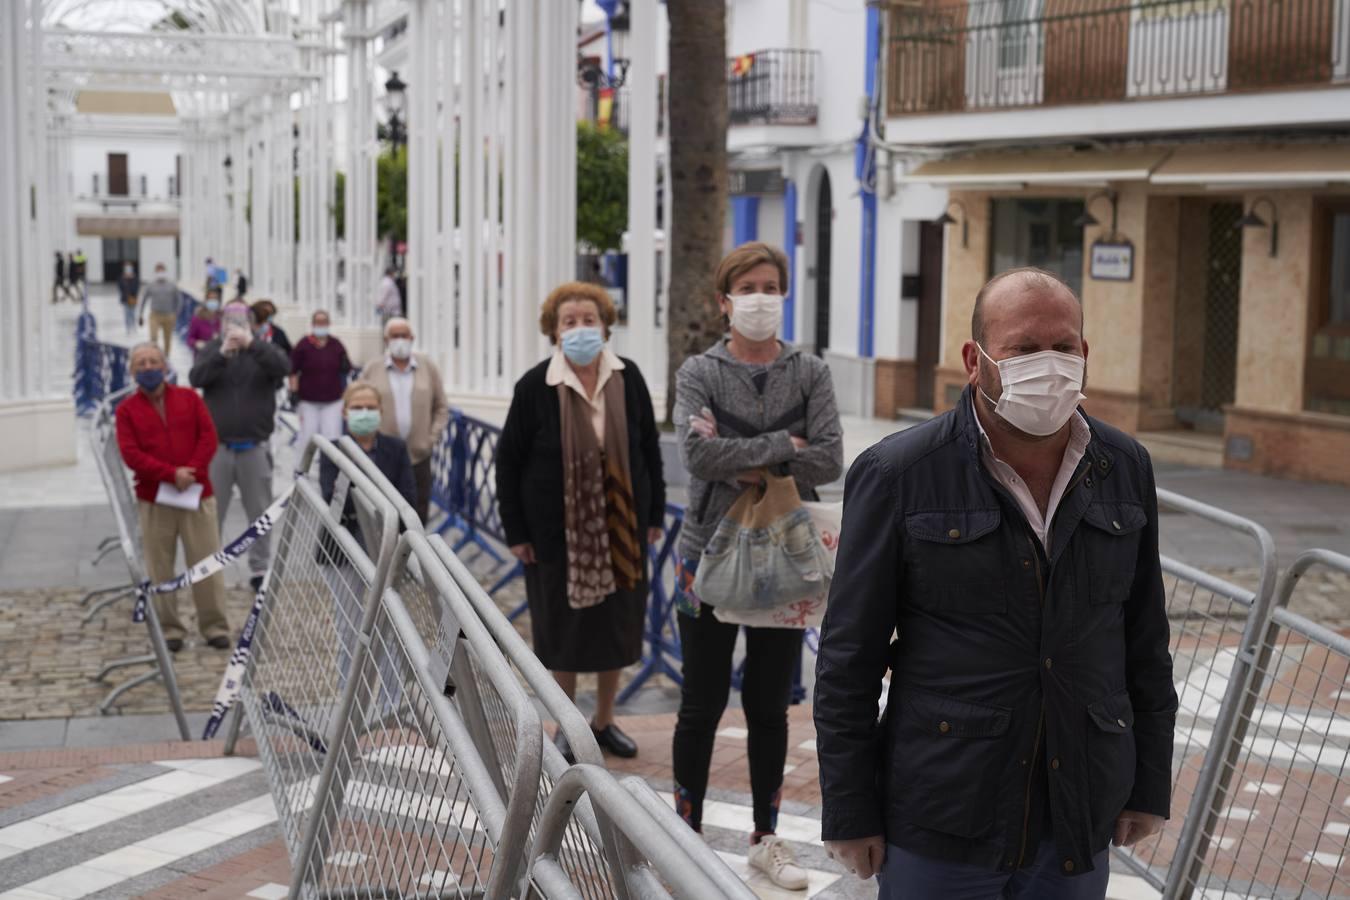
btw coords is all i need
(771, 655)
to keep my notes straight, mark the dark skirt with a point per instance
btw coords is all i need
(595, 639)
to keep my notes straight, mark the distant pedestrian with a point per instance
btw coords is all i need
(164, 300)
(266, 328)
(167, 439)
(390, 303)
(59, 280)
(205, 323)
(319, 369)
(128, 291)
(241, 284)
(581, 493)
(413, 394)
(78, 263)
(239, 378)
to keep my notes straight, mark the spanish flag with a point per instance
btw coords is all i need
(741, 65)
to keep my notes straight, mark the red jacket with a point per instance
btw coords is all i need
(154, 448)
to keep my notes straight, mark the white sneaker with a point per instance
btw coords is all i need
(774, 858)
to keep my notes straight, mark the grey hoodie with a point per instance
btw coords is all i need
(755, 430)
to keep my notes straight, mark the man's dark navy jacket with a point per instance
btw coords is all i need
(1020, 677)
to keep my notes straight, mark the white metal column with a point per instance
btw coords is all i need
(642, 112)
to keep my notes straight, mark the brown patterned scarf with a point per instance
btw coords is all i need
(600, 518)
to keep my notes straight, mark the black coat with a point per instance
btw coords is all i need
(1019, 677)
(529, 462)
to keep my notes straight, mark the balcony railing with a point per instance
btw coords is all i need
(772, 87)
(996, 54)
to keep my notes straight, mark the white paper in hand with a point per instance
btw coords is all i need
(168, 495)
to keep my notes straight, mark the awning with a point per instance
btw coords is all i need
(127, 226)
(1292, 164)
(1059, 166)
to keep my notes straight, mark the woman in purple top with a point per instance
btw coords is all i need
(204, 327)
(319, 370)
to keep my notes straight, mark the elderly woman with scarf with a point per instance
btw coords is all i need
(581, 494)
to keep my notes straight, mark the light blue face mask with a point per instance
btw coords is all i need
(583, 344)
(363, 421)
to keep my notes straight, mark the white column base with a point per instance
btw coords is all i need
(38, 434)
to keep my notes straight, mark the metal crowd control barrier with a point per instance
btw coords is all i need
(662, 638)
(407, 783)
(1216, 631)
(674, 859)
(126, 515)
(100, 369)
(598, 860)
(296, 691)
(464, 484)
(1283, 834)
(186, 309)
(591, 850)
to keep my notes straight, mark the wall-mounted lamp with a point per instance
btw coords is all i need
(1252, 220)
(948, 219)
(1088, 220)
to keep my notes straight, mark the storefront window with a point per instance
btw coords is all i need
(1328, 372)
(1041, 233)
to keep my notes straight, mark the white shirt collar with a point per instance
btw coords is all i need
(1079, 432)
(389, 362)
(559, 372)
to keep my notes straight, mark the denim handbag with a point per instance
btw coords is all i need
(765, 553)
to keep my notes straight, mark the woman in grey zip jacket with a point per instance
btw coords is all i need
(749, 402)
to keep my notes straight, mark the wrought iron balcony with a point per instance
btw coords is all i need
(772, 87)
(994, 54)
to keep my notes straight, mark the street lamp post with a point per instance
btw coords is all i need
(394, 97)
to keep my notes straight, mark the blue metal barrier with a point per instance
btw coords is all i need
(100, 369)
(661, 637)
(186, 310)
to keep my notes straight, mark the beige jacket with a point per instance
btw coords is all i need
(430, 412)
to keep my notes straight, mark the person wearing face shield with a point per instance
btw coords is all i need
(750, 402)
(413, 397)
(581, 494)
(239, 376)
(167, 439)
(1010, 548)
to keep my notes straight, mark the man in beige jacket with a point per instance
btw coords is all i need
(413, 397)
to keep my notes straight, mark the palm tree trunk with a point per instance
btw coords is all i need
(698, 168)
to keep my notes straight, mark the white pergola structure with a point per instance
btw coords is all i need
(262, 89)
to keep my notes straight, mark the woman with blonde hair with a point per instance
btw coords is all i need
(581, 494)
(747, 404)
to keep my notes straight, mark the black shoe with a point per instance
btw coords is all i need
(219, 642)
(174, 644)
(256, 583)
(560, 741)
(614, 741)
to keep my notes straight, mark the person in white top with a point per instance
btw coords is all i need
(390, 301)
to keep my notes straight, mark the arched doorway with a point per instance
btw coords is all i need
(824, 220)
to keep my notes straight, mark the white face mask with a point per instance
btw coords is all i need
(400, 348)
(756, 316)
(1040, 390)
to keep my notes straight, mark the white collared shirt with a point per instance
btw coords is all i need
(401, 386)
(560, 372)
(1006, 475)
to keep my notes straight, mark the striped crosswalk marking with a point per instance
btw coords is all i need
(190, 776)
(156, 852)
